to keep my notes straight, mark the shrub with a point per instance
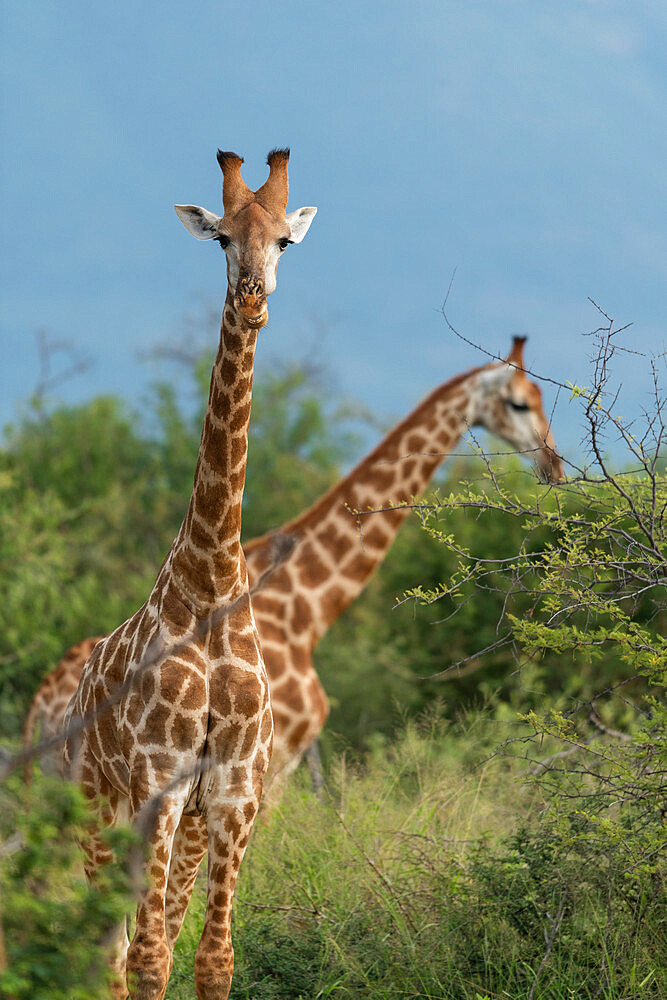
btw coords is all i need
(55, 925)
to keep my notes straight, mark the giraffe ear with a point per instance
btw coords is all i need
(299, 222)
(199, 222)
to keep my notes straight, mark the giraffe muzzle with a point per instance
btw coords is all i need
(550, 466)
(250, 300)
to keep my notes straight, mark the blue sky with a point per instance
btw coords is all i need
(521, 143)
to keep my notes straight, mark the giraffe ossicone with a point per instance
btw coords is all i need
(191, 731)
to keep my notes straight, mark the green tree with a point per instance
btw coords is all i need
(56, 926)
(596, 581)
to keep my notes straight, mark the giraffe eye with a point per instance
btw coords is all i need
(284, 243)
(519, 407)
(223, 241)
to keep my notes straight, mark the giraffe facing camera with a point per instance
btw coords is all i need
(178, 695)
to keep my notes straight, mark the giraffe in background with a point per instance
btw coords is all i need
(332, 560)
(202, 693)
(328, 567)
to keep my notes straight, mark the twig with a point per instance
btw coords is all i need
(555, 925)
(380, 875)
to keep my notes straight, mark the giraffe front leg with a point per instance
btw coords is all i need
(229, 828)
(187, 853)
(149, 957)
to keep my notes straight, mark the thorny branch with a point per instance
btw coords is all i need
(47, 350)
(592, 568)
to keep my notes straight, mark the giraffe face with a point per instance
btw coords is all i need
(253, 242)
(509, 404)
(253, 233)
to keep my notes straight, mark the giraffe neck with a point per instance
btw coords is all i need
(207, 562)
(339, 550)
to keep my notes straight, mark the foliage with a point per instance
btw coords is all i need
(55, 925)
(427, 874)
(596, 586)
(448, 862)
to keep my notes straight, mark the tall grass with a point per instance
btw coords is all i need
(428, 874)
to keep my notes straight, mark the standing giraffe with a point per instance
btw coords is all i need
(191, 730)
(335, 555)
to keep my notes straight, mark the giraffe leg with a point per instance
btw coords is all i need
(286, 757)
(315, 767)
(149, 957)
(187, 853)
(229, 828)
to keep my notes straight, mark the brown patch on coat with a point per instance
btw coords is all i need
(312, 571)
(415, 442)
(194, 695)
(296, 737)
(274, 660)
(302, 615)
(155, 727)
(250, 739)
(225, 741)
(175, 612)
(375, 536)
(290, 693)
(301, 659)
(246, 691)
(183, 732)
(333, 602)
(381, 480)
(334, 541)
(358, 566)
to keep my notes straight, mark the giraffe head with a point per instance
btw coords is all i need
(509, 404)
(253, 232)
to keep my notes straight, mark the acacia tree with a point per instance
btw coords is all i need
(589, 579)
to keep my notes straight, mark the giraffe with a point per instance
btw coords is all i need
(191, 731)
(329, 567)
(333, 560)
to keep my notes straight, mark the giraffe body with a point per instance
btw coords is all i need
(177, 697)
